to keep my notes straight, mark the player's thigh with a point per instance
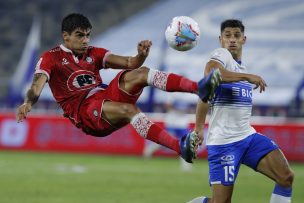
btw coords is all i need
(116, 112)
(275, 166)
(221, 193)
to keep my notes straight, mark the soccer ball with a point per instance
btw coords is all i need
(182, 33)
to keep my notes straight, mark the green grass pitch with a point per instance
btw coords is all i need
(76, 178)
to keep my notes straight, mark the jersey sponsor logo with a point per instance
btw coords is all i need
(235, 91)
(233, 94)
(244, 92)
(81, 80)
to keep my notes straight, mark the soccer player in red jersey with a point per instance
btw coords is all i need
(72, 71)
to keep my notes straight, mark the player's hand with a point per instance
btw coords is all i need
(258, 81)
(200, 134)
(143, 48)
(22, 111)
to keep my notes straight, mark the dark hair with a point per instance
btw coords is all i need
(73, 21)
(232, 23)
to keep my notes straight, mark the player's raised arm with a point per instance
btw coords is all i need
(130, 62)
(31, 96)
(229, 76)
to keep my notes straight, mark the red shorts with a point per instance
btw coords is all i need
(90, 112)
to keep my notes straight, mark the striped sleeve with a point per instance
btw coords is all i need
(44, 65)
(221, 56)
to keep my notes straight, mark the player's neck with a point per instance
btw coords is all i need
(79, 56)
(237, 57)
(68, 49)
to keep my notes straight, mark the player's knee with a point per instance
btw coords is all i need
(144, 69)
(140, 75)
(286, 179)
(143, 73)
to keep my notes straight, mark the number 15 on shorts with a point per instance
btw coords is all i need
(229, 173)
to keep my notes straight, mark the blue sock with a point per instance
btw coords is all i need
(283, 191)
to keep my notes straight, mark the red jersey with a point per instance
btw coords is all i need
(71, 78)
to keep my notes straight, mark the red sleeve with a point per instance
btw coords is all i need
(101, 55)
(45, 64)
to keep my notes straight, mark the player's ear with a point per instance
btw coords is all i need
(65, 35)
(244, 39)
(220, 39)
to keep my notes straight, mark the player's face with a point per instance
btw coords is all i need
(77, 41)
(233, 39)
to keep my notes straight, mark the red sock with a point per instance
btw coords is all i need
(161, 136)
(178, 83)
(171, 82)
(149, 130)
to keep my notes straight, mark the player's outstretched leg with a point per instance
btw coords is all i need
(134, 81)
(171, 82)
(188, 146)
(207, 85)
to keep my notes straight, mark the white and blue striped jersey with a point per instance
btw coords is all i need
(231, 106)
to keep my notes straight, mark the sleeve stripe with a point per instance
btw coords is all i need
(105, 58)
(217, 60)
(43, 72)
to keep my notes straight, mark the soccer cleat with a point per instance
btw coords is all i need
(188, 146)
(207, 85)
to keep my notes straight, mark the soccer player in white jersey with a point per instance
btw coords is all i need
(231, 140)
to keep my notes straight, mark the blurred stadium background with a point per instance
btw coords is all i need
(274, 50)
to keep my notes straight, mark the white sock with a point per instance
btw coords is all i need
(201, 199)
(279, 199)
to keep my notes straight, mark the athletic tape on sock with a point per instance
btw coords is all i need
(141, 124)
(157, 79)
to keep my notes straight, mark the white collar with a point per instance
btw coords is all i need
(65, 49)
(69, 51)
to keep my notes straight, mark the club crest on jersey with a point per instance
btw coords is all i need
(81, 80)
(95, 112)
(65, 61)
(89, 60)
